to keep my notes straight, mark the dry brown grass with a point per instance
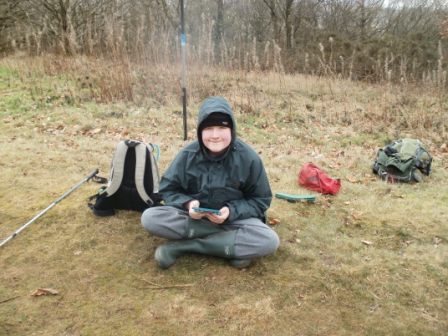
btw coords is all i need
(322, 281)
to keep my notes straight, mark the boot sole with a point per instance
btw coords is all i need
(240, 263)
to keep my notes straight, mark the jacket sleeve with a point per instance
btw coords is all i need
(173, 185)
(257, 195)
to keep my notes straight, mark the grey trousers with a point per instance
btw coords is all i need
(253, 238)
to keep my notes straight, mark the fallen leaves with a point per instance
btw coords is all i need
(334, 165)
(353, 216)
(273, 221)
(94, 131)
(294, 238)
(436, 241)
(366, 179)
(357, 215)
(325, 202)
(353, 180)
(44, 291)
(444, 148)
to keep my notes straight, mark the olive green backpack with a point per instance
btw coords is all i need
(403, 160)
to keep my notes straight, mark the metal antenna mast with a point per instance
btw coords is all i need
(183, 44)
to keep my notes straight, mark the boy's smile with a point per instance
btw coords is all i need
(216, 138)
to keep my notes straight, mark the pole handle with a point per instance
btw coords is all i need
(93, 174)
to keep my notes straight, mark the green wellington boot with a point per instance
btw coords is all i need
(218, 245)
(240, 263)
(198, 228)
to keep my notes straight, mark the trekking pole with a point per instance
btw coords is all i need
(72, 189)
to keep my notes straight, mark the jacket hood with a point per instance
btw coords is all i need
(211, 105)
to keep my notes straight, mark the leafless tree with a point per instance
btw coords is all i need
(368, 34)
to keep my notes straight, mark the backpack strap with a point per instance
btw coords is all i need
(140, 161)
(116, 174)
(154, 168)
(423, 160)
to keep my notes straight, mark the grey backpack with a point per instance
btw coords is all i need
(133, 181)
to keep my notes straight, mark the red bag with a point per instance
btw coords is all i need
(311, 177)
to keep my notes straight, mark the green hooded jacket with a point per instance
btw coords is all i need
(236, 179)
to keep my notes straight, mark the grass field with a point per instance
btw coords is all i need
(372, 260)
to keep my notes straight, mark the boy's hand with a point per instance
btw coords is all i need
(193, 214)
(219, 219)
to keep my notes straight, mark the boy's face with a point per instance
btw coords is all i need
(216, 138)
